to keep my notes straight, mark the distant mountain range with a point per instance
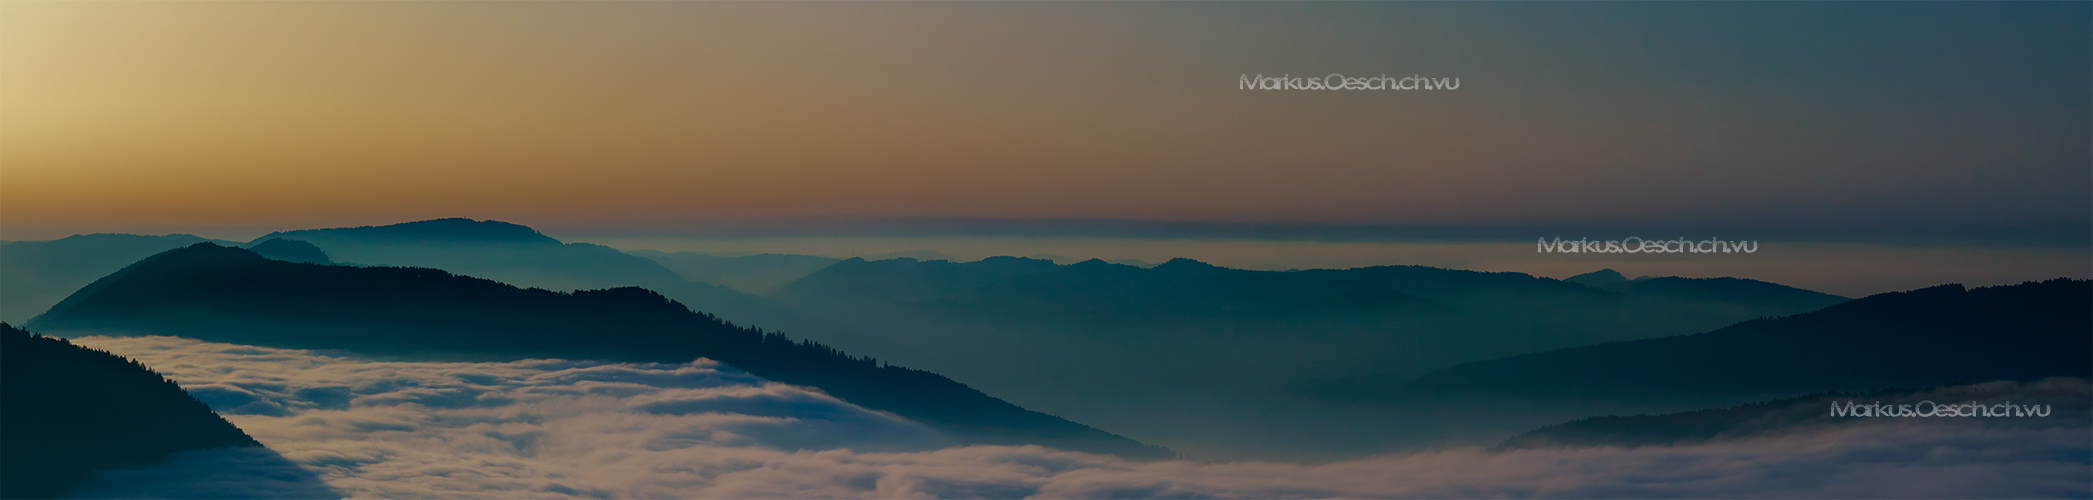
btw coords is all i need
(1198, 357)
(449, 231)
(67, 411)
(34, 275)
(290, 250)
(759, 274)
(1131, 348)
(1940, 335)
(1369, 319)
(223, 294)
(522, 256)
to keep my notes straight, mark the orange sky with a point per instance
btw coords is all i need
(293, 114)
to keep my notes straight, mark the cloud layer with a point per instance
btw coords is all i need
(553, 428)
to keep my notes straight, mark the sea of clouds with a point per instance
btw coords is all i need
(342, 425)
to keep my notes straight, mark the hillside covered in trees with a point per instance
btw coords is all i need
(222, 294)
(67, 411)
(36, 274)
(1920, 338)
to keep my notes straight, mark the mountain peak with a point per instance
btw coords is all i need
(291, 251)
(448, 230)
(1604, 279)
(1184, 264)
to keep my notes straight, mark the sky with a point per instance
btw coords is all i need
(1944, 125)
(365, 428)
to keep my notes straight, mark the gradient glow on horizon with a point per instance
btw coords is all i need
(118, 115)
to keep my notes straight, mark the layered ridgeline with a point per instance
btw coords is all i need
(522, 256)
(1207, 359)
(232, 295)
(67, 411)
(759, 274)
(34, 275)
(1920, 338)
(1189, 321)
(290, 250)
(1186, 352)
(2049, 403)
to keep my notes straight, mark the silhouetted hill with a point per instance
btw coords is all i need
(1054, 258)
(758, 274)
(452, 230)
(1603, 279)
(521, 256)
(1728, 289)
(290, 251)
(2064, 402)
(231, 295)
(1348, 322)
(1925, 337)
(66, 411)
(1691, 304)
(34, 275)
(1702, 288)
(925, 255)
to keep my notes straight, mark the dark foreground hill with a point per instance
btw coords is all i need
(67, 411)
(1920, 338)
(232, 295)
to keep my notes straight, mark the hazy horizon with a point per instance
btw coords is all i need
(1847, 268)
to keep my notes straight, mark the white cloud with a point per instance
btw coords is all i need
(550, 428)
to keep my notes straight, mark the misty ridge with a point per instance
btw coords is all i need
(35, 275)
(759, 274)
(68, 411)
(1936, 336)
(551, 429)
(233, 295)
(1932, 336)
(1139, 348)
(1444, 316)
(522, 256)
(1213, 362)
(1210, 358)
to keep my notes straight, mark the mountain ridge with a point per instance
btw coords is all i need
(223, 294)
(70, 410)
(522, 256)
(2029, 330)
(445, 230)
(34, 275)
